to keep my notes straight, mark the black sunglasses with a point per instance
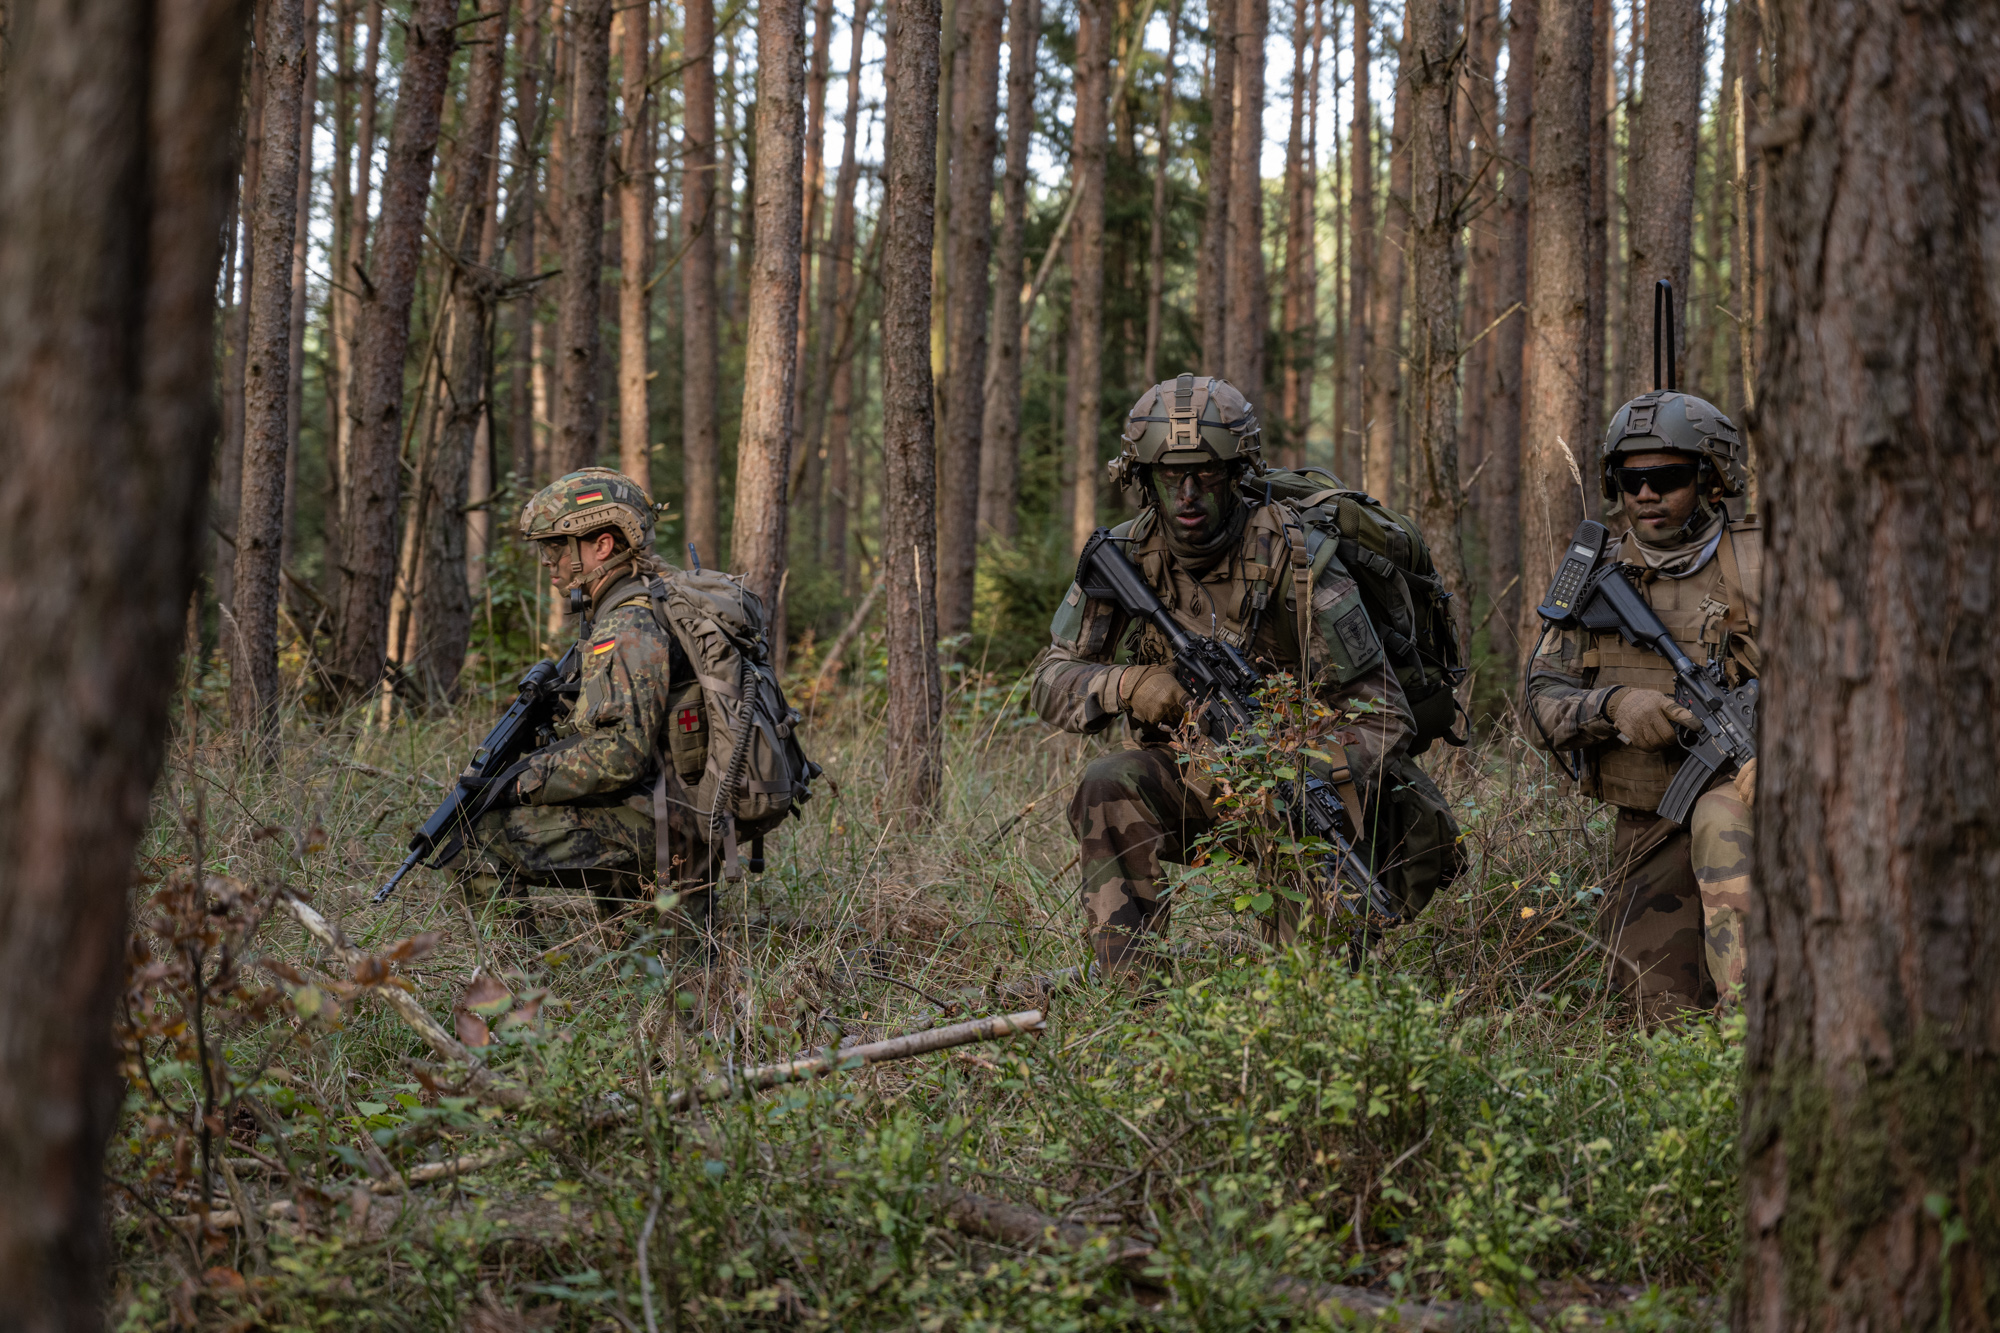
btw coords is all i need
(1664, 480)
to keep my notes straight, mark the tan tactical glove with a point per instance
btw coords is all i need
(1746, 783)
(1646, 718)
(1153, 696)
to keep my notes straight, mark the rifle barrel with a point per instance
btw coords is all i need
(409, 864)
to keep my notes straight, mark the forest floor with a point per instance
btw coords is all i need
(1464, 1131)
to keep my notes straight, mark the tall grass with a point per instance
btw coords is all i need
(1467, 1116)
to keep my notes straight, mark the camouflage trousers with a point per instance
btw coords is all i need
(1679, 900)
(606, 851)
(1132, 811)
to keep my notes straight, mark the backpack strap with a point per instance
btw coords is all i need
(1734, 586)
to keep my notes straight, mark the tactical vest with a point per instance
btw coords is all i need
(1244, 599)
(1713, 615)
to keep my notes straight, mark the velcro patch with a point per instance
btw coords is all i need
(1356, 635)
(603, 645)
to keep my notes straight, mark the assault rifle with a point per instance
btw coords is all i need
(546, 685)
(1596, 594)
(1218, 676)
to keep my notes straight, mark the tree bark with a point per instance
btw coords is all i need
(1747, 264)
(1504, 387)
(1298, 317)
(1156, 236)
(267, 379)
(700, 334)
(1245, 313)
(839, 348)
(368, 539)
(1353, 438)
(1556, 406)
(295, 389)
(757, 541)
(1435, 191)
(635, 236)
(120, 121)
(1476, 108)
(976, 108)
(522, 195)
(579, 340)
(1603, 99)
(345, 302)
(1086, 370)
(433, 651)
(1212, 275)
(1000, 432)
(815, 303)
(1872, 1060)
(909, 520)
(236, 340)
(1665, 136)
(1385, 358)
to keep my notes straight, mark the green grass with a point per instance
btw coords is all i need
(1467, 1117)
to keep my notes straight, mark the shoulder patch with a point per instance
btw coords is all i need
(1357, 636)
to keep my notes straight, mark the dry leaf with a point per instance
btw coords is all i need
(415, 947)
(483, 998)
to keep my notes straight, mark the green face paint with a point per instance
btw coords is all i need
(1188, 494)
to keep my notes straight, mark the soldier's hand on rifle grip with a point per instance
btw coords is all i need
(1153, 696)
(1746, 783)
(1647, 718)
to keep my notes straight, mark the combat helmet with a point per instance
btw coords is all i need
(1189, 419)
(1682, 423)
(586, 501)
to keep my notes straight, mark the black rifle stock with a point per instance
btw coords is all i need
(544, 686)
(1218, 676)
(1727, 719)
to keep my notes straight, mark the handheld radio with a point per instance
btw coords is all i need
(1586, 548)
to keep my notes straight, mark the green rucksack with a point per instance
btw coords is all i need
(1405, 599)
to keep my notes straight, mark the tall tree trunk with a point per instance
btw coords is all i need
(1212, 275)
(1086, 370)
(1000, 433)
(1659, 194)
(909, 520)
(1245, 317)
(838, 291)
(295, 387)
(757, 542)
(1503, 413)
(1558, 415)
(1297, 316)
(1385, 359)
(1435, 192)
(522, 197)
(700, 333)
(267, 379)
(1353, 433)
(1603, 153)
(1872, 1062)
(1476, 107)
(120, 120)
(1748, 264)
(353, 265)
(808, 396)
(342, 188)
(635, 236)
(434, 650)
(975, 110)
(235, 352)
(1156, 236)
(579, 341)
(368, 537)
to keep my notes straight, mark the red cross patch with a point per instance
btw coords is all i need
(688, 720)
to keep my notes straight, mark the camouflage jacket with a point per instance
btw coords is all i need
(608, 747)
(1076, 683)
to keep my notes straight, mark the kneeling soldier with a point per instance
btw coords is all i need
(1674, 913)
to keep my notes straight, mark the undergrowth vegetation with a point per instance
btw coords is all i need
(1467, 1117)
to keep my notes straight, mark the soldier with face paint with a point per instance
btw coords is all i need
(1674, 913)
(1218, 558)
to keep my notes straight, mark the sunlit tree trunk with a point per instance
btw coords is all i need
(1872, 1061)
(579, 340)
(1659, 190)
(700, 333)
(1000, 432)
(1245, 313)
(909, 516)
(1086, 370)
(120, 119)
(838, 290)
(1352, 447)
(267, 378)
(522, 195)
(975, 109)
(1212, 277)
(635, 236)
(1385, 359)
(818, 288)
(1156, 234)
(1299, 316)
(368, 545)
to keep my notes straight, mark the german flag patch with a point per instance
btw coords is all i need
(603, 646)
(590, 497)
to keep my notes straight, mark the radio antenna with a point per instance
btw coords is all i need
(1663, 310)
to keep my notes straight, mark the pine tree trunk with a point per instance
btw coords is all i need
(1659, 190)
(267, 379)
(1603, 96)
(1476, 108)
(434, 649)
(1872, 1062)
(1353, 448)
(1156, 235)
(817, 287)
(1385, 359)
(1000, 432)
(374, 482)
(295, 389)
(838, 291)
(1748, 265)
(236, 342)
(1245, 317)
(1296, 316)
(700, 332)
(522, 195)
(635, 236)
(909, 519)
(1435, 191)
(1087, 154)
(347, 301)
(1556, 406)
(120, 119)
(579, 341)
(1503, 413)
(1212, 276)
(757, 542)
(975, 111)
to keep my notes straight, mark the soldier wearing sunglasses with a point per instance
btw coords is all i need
(1674, 912)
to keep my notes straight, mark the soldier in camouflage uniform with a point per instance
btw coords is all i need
(580, 813)
(1218, 559)
(1674, 913)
